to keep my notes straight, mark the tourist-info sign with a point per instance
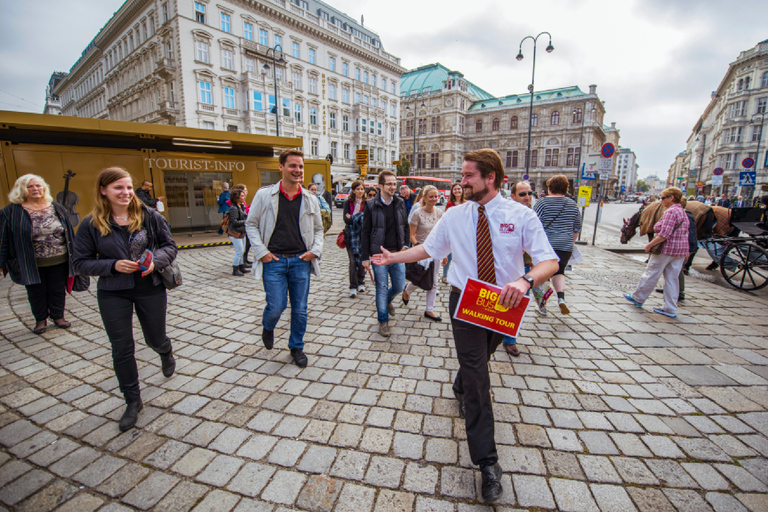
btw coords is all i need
(479, 305)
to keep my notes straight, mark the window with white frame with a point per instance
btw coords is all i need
(332, 91)
(229, 97)
(335, 150)
(357, 97)
(346, 151)
(365, 126)
(258, 104)
(271, 106)
(373, 80)
(313, 116)
(202, 52)
(365, 77)
(297, 80)
(297, 112)
(227, 59)
(312, 55)
(164, 9)
(332, 64)
(295, 50)
(278, 41)
(345, 95)
(393, 107)
(208, 125)
(286, 107)
(199, 12)
(226, 23)
(345, 69)
(315, 147)
(392, 133)
(379, 130)
(394, 85)
(313, 85)
(756, 132)
(263, 37)
(248, 31)
(250, 65)
(205, 92)
(332, 120)
(345, 123)
(761, 105)
(357, 74)
(279, 73)
(365, 99)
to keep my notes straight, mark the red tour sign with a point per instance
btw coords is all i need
(479, 305)
(747, 163)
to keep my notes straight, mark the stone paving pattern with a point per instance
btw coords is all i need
(612, 408)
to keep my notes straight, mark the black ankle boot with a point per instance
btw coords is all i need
(236, 271)
(130, 415)
(168, 363)
(247, 264)
(244, 269)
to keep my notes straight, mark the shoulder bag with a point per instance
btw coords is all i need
(656, 249)
(170, 275)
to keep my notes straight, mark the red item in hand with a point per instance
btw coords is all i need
(146, 260)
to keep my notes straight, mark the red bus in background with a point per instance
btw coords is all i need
(442, 185)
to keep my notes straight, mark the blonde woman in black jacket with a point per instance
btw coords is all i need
(109, 244)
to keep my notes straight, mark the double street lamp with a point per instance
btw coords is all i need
(274, 51)
(530, 88)
(759, 136)
(415, 128)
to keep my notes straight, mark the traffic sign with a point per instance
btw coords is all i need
(623, 188)
(363, 170)
(717, 180)
(747, 178)
(588, 175)
(607, 150)
(525, 177)
(584, 194)
(747, 163)
(396, 162)
(681, 177)
(718, 171)
(361, 156)
(604, 168)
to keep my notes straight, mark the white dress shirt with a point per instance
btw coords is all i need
(515, 229)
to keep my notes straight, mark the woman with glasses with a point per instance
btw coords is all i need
(370, 193)
(671, 231)
(562, 222)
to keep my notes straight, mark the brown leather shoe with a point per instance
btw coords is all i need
(512, 350)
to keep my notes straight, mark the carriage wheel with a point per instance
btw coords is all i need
(745, 266)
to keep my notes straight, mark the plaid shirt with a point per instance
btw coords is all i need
(673, 226)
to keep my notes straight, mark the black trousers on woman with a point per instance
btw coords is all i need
(47, 299)
(116, 308)
(356, 274)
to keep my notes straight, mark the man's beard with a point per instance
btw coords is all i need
(471, 194)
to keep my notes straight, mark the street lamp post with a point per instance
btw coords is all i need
(415, 128)
(579, 174)
(274, 51)
(530, 88)
(759, 136)
(701, 160)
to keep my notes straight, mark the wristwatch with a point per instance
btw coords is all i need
(529, 279)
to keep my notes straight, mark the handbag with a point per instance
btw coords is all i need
(423, 277)
(225, 223)
(171, 275)
(656, 249)
(340, 241)
(235, 234)
(78, 283)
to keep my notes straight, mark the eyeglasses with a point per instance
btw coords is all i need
(523, 194)
(665, 197)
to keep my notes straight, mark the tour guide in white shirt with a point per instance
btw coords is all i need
(514, 229)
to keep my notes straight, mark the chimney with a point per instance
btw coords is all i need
(613, 126)
(592, 89)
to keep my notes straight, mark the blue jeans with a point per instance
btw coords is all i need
(384, 295)
(239, 245)
(287, 276)
(511, 340)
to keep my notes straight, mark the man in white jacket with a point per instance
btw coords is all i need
(286, 232)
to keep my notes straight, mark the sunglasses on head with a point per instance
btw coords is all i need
(523, 194)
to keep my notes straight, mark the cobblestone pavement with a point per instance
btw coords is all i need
(612, 408)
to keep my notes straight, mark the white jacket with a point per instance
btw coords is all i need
(262, 218)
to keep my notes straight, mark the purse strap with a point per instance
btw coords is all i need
(556, 216)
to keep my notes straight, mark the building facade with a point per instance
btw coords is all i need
(443, 115)
(730, 130)
(626, 171)
(240, 66)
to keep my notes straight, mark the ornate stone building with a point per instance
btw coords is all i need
(730, 129)
(443, 115)
(209, 65)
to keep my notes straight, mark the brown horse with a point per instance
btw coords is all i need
(709, 219)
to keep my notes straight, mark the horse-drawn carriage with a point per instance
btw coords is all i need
(743, 260)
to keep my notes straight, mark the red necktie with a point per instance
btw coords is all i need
(485, 267)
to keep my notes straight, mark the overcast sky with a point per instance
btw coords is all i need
(655, 62)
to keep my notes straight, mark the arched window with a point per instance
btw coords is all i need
(576, 115)
(764, 81)
(747, 81)
(495, 124)
(513, 121)
(479, 126)
(554, 118)
(741, 85)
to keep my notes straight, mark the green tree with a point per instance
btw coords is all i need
(404, 167)
(642, 186)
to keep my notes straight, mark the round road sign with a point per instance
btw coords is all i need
(719, 171)
(747, 163)
(525, 177)
(607, 150)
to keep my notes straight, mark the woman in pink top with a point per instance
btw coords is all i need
(672, 231)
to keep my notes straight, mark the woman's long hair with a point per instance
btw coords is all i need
(102, 210)
(453, 197)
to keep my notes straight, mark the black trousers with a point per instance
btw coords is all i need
(116, 308)
(474, 347)
(356, 274)
(47, 299)
(247, 248)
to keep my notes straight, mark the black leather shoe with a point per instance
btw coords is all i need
(712, 266)
(130, 415)
(659, 290)
(268, 337)
(168, 362)
(462, 406)
(244, 269)
(248, 264)
(236, 271)
(433, 318)
(491, 487)
(299, 357)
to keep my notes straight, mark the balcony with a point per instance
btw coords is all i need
(260, 50)
(165, 67)
(206, 107)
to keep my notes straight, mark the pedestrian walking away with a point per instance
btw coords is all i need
(236, 231)
(385, 225)
(466, 231)
(222, 201)
(562, 222)
(671, 231)
(36, 241)
(353, 210)
(422, 222)
(118, 234)
(286, 230)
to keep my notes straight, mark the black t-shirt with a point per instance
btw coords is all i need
(390, 221)
(286, 238)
